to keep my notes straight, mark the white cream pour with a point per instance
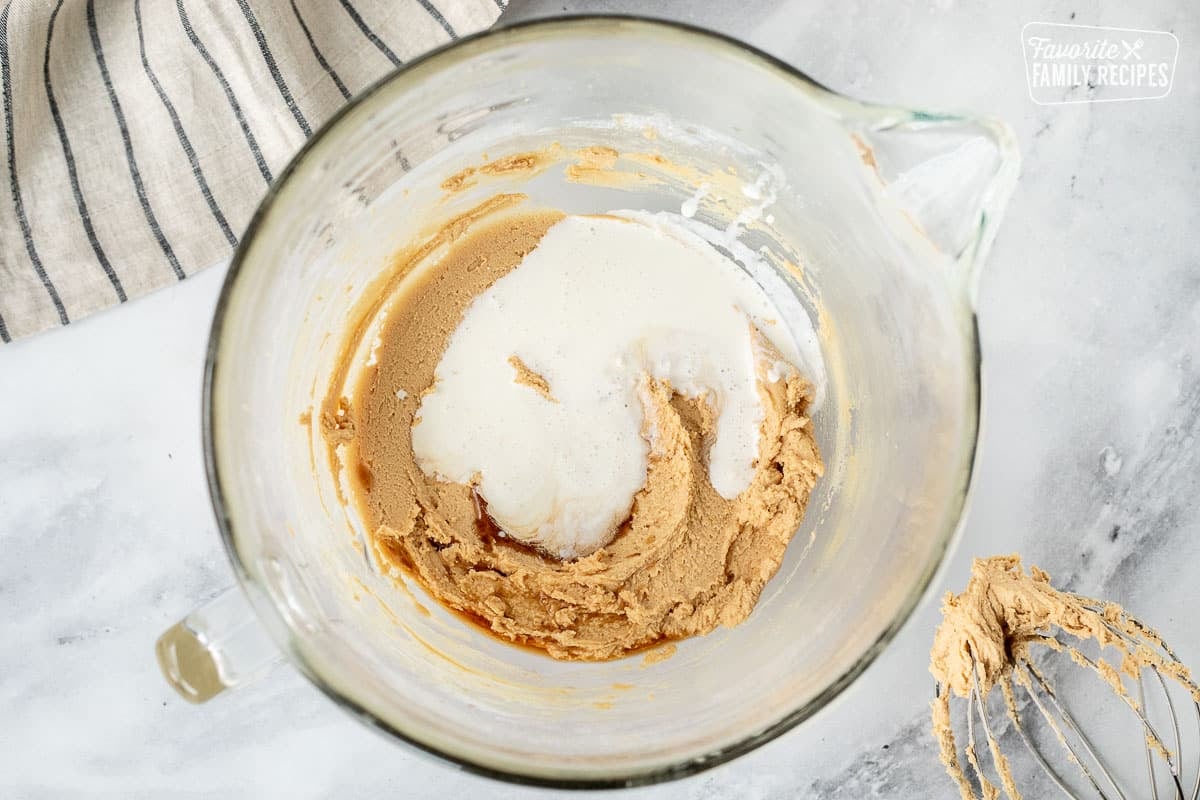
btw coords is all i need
(598, 306)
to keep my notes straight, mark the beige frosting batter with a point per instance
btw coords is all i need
(527, 377)
(985, 639)
(685, 561)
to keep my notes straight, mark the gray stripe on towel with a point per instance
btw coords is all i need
(14, 183)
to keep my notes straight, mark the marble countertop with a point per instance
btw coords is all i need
(1089, 311)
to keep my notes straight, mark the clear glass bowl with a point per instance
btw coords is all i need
(886, 211)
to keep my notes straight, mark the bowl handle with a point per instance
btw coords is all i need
(218, 646)
(949, 175)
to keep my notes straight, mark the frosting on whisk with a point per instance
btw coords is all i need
(985, 639)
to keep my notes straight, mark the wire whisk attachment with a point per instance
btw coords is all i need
(989, 638)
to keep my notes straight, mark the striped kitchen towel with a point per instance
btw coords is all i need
(140, 134)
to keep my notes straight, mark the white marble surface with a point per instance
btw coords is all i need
(1090, 313)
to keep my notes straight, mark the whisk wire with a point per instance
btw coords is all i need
(1072, 755)
(972, 749)
(1073, 726)
(1152, 735)
(1153, 637)
(1149, 753)
(1174, 725)
(1050, 772)
(998, 760)
(1187, 684)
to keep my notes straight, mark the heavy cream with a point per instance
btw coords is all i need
(537, 399)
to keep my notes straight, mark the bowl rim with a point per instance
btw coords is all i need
(268, 613)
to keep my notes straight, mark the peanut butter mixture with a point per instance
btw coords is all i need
(685, 561)
(527, 377)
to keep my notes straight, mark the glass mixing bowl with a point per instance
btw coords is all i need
(885, 213)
